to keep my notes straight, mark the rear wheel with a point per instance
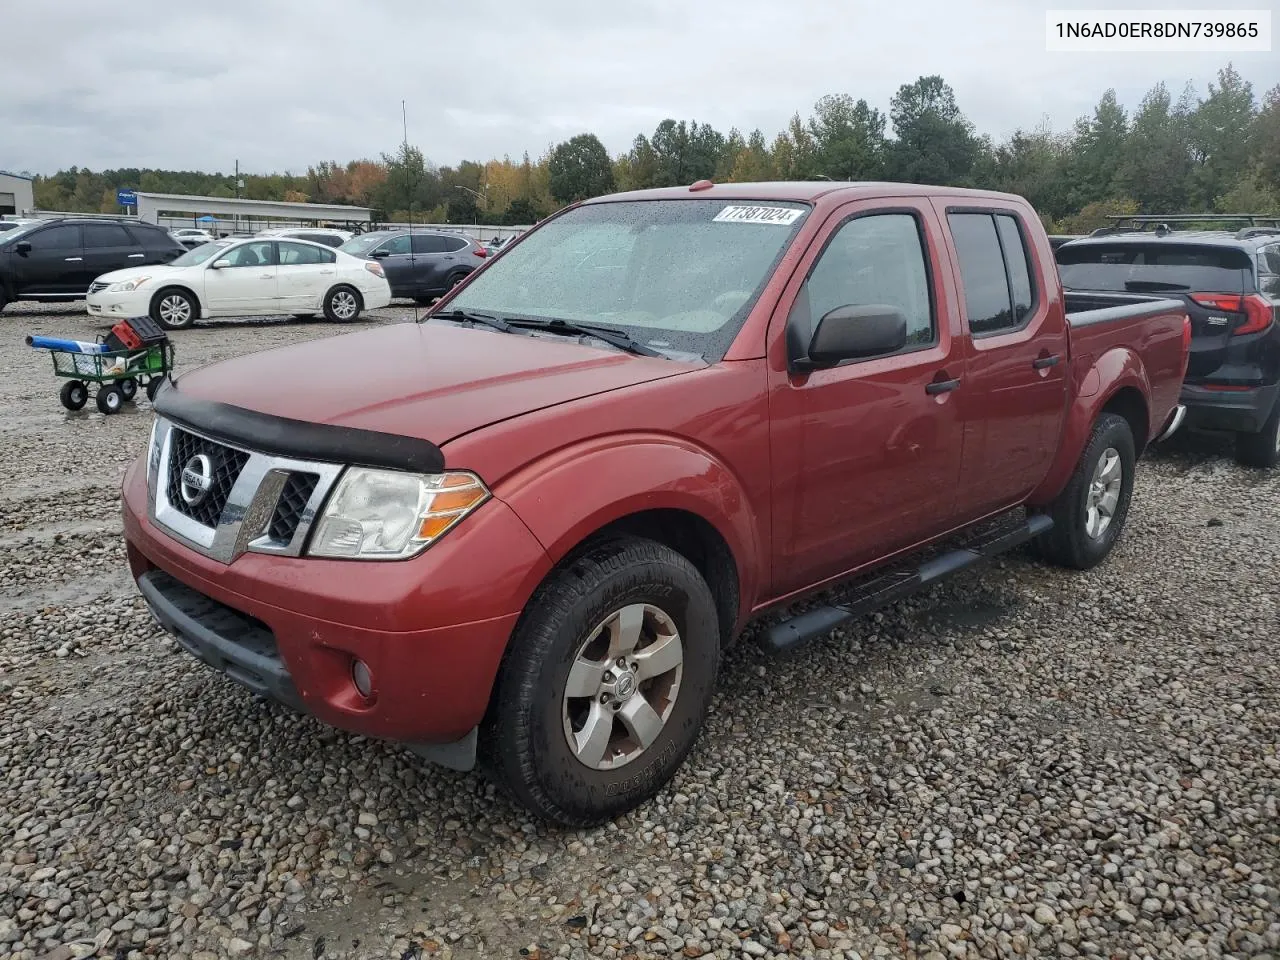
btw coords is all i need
(153, 387)
(110, 400)
(74, 395)
(342, 305)
(1261, 449)
(128, 388)
(1089, 514)
(173, 309)
(605, 685)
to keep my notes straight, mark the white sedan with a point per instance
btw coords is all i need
(244, 278)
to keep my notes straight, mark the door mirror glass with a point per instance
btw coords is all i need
(220, 264)
(381, 254)
(857, 332)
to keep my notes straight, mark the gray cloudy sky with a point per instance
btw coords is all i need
(281, 85)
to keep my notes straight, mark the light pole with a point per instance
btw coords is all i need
(482, 197)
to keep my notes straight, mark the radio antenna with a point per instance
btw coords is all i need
(404, 153)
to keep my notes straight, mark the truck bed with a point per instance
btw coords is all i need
(1088, 307)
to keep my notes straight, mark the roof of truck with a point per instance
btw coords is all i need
(803, 191)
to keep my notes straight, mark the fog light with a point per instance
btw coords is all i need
(362, 678)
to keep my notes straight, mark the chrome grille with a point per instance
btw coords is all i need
(226, 462)
(291, 505)
(98, 286)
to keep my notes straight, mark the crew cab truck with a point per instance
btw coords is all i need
(522, 530)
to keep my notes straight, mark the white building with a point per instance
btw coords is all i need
(16, 196)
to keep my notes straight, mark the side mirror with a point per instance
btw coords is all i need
(855, 332)
(22, 247)
(381, 254)
(220, 264)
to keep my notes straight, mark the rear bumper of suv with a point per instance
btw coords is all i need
(431, 631)
(1238, 410)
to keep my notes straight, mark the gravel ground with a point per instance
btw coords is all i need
(1023, 762)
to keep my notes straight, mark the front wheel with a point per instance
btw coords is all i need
(342, 305)
(110, 400)
(74, 395)
(605, 685)
(173, 309)
(1261, 449)
(1089, 514)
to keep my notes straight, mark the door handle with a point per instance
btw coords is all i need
(73, 259)
(266, 276)
(1043, 363)
(326, 272)
(136, 256)
(941, 386)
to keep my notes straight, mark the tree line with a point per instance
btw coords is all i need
(1219, 151)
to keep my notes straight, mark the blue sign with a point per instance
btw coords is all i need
(126, 198)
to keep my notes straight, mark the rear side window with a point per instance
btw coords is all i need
(428, 243)
(1014, 248)
(1150, 267)
(995, 271)
(454, 244)
(154, 239)
(106, 235)
(292, 254)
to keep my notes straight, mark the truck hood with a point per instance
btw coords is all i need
(427, 380)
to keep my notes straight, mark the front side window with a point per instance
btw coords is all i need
(396, 246)
(256, 254)
(64, 237)
(871, 261)
(676, 275)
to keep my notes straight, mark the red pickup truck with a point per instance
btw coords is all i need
(522, 530)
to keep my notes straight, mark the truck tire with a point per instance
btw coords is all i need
(1261, 449)
(605, 684)
(1089, 514)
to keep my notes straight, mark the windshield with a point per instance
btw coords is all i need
(676, 275)
(359, 246)
(199, 255)
(1164, 266)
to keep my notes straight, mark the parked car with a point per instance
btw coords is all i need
(191, 237)
(329, 237)
(525, 528)
(1229, 283)
(244, 278)
(14, 223)
(421, 264)
(56, 260)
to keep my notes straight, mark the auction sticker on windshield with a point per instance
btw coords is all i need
(784, 216)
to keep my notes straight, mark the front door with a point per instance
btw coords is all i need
(54, 264)
(396, 257)
(866, 454)
(107, 247)
(303, 276)
(247, 281)
(1014, 402)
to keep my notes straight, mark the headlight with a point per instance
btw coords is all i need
(127, 286)
(388, 515)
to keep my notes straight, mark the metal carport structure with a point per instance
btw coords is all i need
(152, 206)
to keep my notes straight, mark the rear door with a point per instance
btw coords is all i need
(305, 272)
(107, 247)
(1209, 279)
(1013, 402)
(53, 265)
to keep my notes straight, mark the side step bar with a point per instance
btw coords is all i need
(890, 587)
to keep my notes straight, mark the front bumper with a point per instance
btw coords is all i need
(1240, 411)
(122, 305)
(432, 630)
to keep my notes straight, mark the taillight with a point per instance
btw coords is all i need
(1256, 309)
(374, 267)
(480, 251)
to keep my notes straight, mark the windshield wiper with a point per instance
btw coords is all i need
(609, 335)
(465, 316)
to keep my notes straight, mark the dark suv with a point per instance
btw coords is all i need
(1230, 282)
(420, 264)
(56, 260)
